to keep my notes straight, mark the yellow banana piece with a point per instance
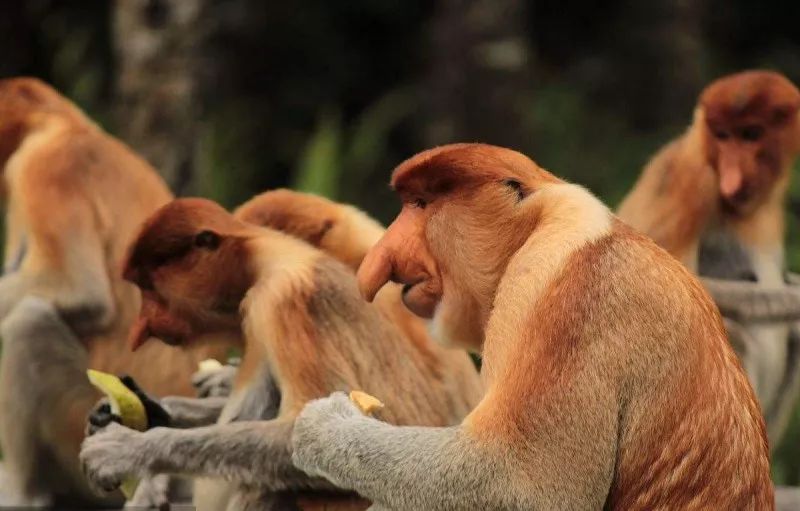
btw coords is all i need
(127, 405)
(366, 403)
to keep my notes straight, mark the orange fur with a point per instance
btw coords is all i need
(298, 311)
(730, 167)
(347, 234)
(74, 197)
(586, 328)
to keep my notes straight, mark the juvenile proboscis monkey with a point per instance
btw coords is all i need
(611, 384)
(715, 199)
(74, 197)
(347, 234)
(306, 332)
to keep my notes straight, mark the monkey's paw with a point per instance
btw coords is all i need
(319, 437)
(217, 382)
(111, 455)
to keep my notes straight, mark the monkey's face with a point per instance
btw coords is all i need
(465, 212)
(751, 136)
(190, 263)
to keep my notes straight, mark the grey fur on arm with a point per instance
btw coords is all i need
(192, 412)
(255, 454)
(403, 467)
(395, 467)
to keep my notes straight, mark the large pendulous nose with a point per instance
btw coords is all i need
(374, 272)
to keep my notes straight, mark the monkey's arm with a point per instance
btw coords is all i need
(751, 302)
(46, 397)
(62, 259)
(452, 468)
(255, 454)
(190, 412)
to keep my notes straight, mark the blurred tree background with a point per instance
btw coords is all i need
(229, 98)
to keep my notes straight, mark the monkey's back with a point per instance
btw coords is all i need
(326, 338)
(707, 446)
(119, 190)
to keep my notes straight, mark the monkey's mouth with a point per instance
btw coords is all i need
(421, 298)
(155, 320)
(742, 202)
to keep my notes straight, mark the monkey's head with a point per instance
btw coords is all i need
(466, 209)
(338, 229)
(751, 134)
(190, 262)
(24, 102)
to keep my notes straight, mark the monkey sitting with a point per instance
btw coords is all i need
(610, 381)
(347, 234)
(74, 196)
(306, 332)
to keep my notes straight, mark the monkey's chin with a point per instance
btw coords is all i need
(419, 300)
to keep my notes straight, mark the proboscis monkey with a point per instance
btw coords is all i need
(306, 332)
(715, 198)
(347, 234)
(611, 384)
(74, 197)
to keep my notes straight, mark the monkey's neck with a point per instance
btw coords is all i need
(762, 235)
(569, 219)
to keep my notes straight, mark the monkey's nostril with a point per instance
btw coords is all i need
(407, 288)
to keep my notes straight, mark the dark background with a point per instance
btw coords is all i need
(229, 98)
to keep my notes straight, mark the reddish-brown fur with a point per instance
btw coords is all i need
(716, 195)
(347, 234)
(295, 308)
(580, 319)
(731, 166)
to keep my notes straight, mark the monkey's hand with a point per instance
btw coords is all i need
(216, 382)
(316, 444)
(113, 454)
(101, 416)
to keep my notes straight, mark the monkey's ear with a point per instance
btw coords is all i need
(517, 187)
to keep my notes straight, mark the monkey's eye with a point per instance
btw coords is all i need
(721, 135)
(419, 203)
(516, 186)
(207, 239)
(751, 133)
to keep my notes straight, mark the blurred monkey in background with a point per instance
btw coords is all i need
(715, 198)
(74, 198)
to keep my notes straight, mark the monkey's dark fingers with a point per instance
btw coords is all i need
(129, 382)
(157, 416)
(100, 419)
